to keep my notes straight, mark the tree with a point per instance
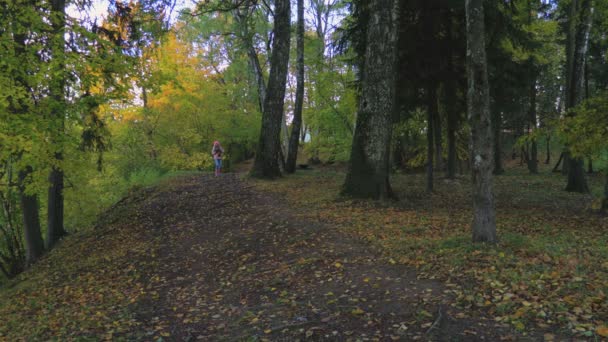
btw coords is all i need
(22, 115)
(368, 170)
(55, 229)
(266, 163)
(292, 152)
(579, 27)
(484, 216)
(584, 132)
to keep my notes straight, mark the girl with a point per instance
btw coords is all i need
(217, 151)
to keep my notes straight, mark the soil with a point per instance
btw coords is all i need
(233, 263)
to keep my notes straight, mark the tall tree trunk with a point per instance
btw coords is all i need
(590, 166)
(496, 126)
(55, 229)
(266, 163)
(566, 163)
(478, 103)
(532, 159)
(34, 245)
(548, 160)
(580, 20)
(451, 99)
(605, 201)
(368, 171)
(452, 158)
(431, 109)
(437, 134)
(292, 155)
(559, 160)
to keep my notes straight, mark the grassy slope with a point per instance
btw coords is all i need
(549, 270)
(79, 289)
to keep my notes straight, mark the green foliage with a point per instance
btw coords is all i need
(585, 129)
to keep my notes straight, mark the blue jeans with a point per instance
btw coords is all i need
(218, 164)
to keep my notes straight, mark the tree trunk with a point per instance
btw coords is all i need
(451, 167)
(438, 138)
(576, 173)
(559, 160)
(590, 166)
(478, 103)
(496, 125)
(266, 164)
(532, 159)
(292, 155)
(451, 99)
(580, 20)
(605, 200)
(34, 245)
(368, 171)
(548, 160)
(55, 228)
(566, 163)
(431, 109)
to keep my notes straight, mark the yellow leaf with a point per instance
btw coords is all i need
(267, 331)
(357, 311)
(338, 265)
(392, 261)
(602, 331)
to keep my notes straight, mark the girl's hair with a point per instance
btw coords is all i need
(216, 143)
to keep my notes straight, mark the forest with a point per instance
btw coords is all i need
(391, 170)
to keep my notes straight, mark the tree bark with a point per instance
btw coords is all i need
(566, 163)
(55, 204)
(431, 109)
(576, 173)
(478, 103)
(266, 163)
(559, 160)
(532, 159)
(292, 155)
(548, 160)
(451, 167)
(34, 245)
(451, 107)
(580, 21)
(368, 171)
(496, 125)
(590, 166)
(605, 200)
(437, 134)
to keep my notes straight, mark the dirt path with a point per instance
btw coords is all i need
(236, 264)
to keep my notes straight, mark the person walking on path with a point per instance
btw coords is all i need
(217, 151)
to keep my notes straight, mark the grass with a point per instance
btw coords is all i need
(550, 269)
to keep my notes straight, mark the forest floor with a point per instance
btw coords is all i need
(205, 258)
